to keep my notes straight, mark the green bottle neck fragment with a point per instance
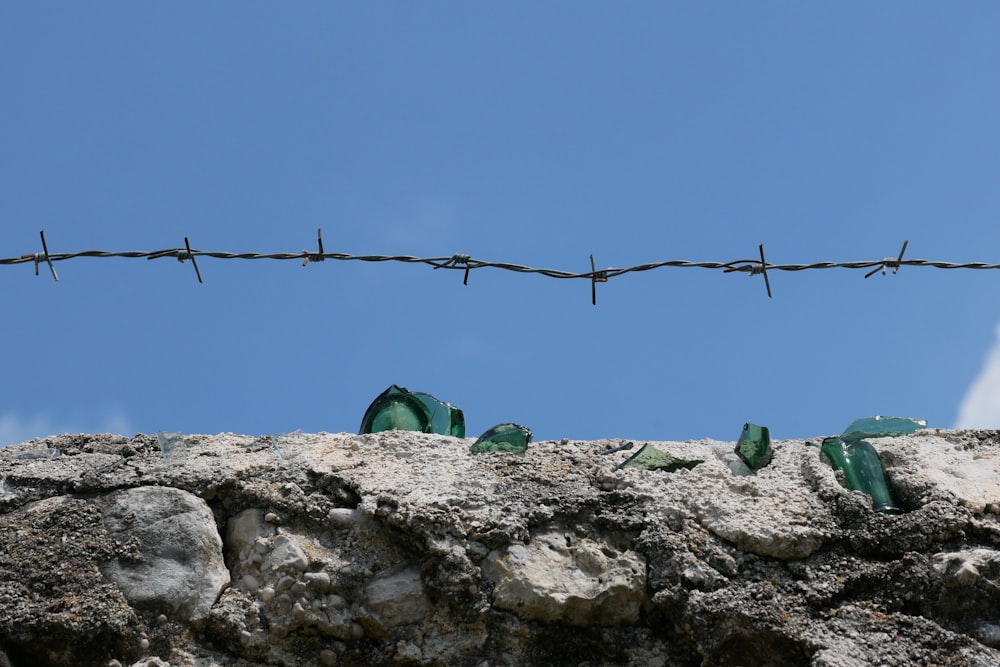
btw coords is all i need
(863, 471)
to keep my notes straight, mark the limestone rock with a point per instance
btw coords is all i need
(286, 554)
(180, 570)
(398, 597)
(557, 578)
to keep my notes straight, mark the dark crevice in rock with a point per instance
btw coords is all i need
(759, 648)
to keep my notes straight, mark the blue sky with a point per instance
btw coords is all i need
(534, 133)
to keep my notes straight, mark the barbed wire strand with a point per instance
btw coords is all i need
(466, 263)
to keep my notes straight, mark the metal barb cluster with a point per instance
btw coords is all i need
(465, 263)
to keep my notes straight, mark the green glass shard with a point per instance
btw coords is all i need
(754, 446)
(881, 427)
(290, 444)
(276, 448)
(503, 438)
(444, 418)
(399, 409)
(173, 446)
(651, 458)
(48, 453)
(863, 471)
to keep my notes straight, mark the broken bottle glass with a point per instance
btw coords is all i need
(863, 471)
(399, 409)
(881, 427)
(173, 446)
(651, 458)
(503, 438)
(754, 446)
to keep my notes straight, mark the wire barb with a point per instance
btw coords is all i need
(755, 268)
(180, 254)
(315, 257)
(457, 261)
(889, 262)
(595, 277)
(43, 256)
(763, 270)
(188, 254)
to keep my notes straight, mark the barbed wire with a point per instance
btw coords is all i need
(467, 263)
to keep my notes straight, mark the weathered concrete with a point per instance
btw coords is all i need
(403, 548)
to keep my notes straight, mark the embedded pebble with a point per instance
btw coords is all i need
(250, 583)
(342, 517)
(267, 594)
(318, 580)
(287, 554)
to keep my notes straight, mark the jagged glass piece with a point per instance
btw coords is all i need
(395, 409)
(754, 446)
(276, 448)
(881, 427)
(398, 409)
(651, 458)
(444, 418)
(863, 471)
(503, 438)
(49, 453)
(288, 445)
(173, 446)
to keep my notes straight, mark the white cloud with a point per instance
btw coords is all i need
(980, 408)
(15, 429)
(117, 423)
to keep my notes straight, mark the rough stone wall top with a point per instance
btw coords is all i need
(405, 548)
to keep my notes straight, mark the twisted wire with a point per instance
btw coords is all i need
(466, 263)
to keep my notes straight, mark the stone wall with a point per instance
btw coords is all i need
(406, 549)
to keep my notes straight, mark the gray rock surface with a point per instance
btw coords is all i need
(559, 577)
(406, 549)
(179, 569)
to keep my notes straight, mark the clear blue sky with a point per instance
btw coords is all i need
(535, 133)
